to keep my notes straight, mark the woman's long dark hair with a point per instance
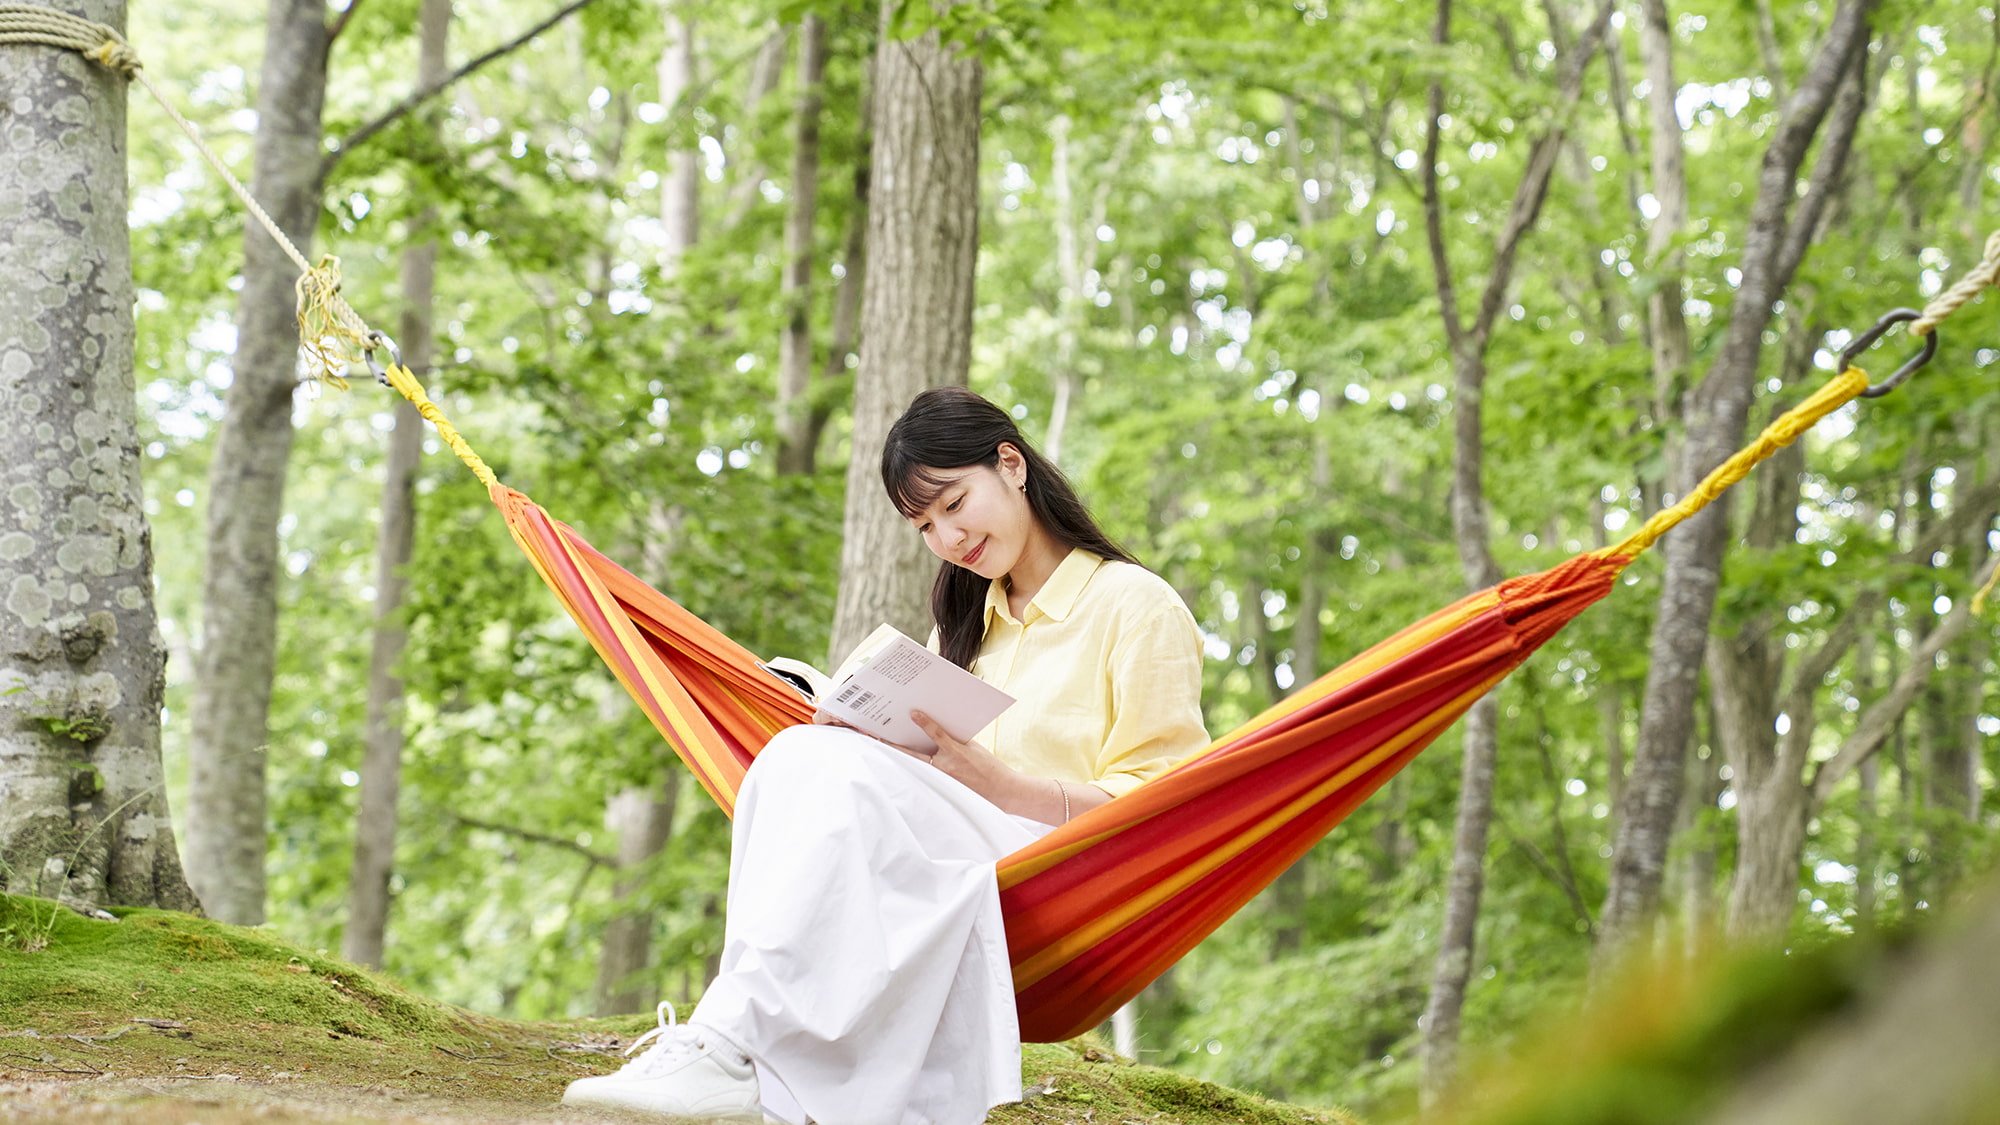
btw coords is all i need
(951, 428)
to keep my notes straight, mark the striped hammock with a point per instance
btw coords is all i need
(1104, 904)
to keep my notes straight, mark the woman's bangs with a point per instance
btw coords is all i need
(917, 486)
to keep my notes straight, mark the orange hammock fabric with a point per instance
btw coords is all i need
(1101, 906)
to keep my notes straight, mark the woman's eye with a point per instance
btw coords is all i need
(953, 506)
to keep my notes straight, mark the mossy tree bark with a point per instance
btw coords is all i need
(226, 829)
(368, 891)
(916, 311)
(82, 670)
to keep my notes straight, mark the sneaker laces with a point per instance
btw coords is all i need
(671, 1042)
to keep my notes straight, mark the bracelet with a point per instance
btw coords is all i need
(1064, 790)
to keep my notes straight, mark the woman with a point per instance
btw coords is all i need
(864, 975)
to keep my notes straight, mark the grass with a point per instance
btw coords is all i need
(163, 1017)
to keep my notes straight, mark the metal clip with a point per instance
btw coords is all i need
(381, 340)
(1862, 342)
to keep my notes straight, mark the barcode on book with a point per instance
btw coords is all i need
(855, 696)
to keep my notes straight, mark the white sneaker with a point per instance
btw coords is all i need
(687, 1072)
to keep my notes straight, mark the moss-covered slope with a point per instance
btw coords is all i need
(161, 1017)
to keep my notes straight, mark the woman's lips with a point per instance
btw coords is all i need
(972, 556)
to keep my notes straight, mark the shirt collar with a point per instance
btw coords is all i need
(1058, 595)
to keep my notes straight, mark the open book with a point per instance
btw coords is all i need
(887, 676)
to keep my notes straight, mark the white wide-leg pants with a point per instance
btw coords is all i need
(864, 965)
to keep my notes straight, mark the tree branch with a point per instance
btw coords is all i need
(409, 104)
(340, 22)
(1534, 189)
(1831, 167)
(1879, 721)
(597, 858)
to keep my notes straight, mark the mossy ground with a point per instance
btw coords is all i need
(161, 1017)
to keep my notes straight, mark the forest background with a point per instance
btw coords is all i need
(1268, 280)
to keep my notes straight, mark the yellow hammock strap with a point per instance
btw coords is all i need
(401, 378)
(1784, 430)
(332, 333)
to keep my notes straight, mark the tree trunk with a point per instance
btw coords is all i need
(1069, 294)
(82, 670)
(680, 190)
(368, 891)
(916, 316)
(1468, 342)
(239, 616)
(641, 819)
(1780, 228)
(795, 351)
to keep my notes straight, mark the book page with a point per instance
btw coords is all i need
(902, 676)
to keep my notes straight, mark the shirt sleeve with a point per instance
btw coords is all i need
(1155, 680)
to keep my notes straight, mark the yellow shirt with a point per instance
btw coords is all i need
(1106, 667)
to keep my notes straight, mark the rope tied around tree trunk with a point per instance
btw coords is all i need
(52, 27)
(333, 335)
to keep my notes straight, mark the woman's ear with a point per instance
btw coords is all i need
(1013, 467)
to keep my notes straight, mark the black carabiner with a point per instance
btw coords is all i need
(381, 340)
(1862, 342)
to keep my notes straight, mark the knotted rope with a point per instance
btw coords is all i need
(332, 333)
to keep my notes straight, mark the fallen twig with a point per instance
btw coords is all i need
(58, 1070)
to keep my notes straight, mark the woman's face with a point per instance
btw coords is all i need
(980, 518)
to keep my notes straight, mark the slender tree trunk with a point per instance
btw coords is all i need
(226, 827)
(1069, 296)
(1780, 228)
(1468, 342)
(795, 351)
(83, 809)
(368, 892)
(916, 318)
(641, 819)
(680, 192)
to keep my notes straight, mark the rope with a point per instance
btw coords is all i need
(405, 381)
(50, 27)
(333, 334)
(1783, 431)
(1986, 273)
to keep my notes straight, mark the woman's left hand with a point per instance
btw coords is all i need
(968, 762)
(974, 766)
